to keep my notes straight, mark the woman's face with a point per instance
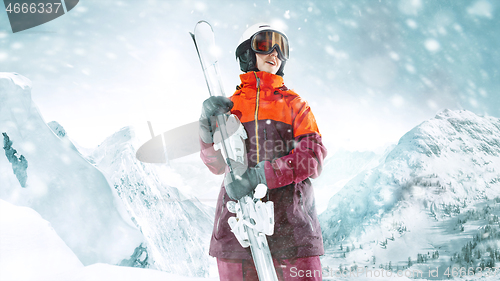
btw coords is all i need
(268, 63)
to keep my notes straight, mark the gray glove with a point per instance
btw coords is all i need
(212, 107)
(246, 183)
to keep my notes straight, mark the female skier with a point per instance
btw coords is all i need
(284, 149)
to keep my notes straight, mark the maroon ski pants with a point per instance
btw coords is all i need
(295, 269)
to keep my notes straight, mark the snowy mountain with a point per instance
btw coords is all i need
(177, 229)
(442, 173)
(339, 169)
(43, 172)
(98, 210)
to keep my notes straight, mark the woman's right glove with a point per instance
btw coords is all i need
(245, 180)
(212, 107)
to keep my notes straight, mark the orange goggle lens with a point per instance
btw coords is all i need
(265, 42)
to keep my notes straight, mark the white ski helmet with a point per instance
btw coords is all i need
(261, 38)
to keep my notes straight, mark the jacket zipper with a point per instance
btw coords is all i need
(305, 214)
(265, 140)
(256, 116)
(220, 215)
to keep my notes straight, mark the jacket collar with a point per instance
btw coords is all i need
(268, 84)
(267, 80)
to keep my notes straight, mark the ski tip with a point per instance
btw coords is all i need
(203, 22)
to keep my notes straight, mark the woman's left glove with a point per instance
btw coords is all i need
(244, 181)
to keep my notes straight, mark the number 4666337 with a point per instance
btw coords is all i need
(33, 8)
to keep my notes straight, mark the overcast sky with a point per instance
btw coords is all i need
(371, 70)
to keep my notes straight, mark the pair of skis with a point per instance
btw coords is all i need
(254, 218)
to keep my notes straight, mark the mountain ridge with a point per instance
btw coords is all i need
(444, 155)
(421, 206)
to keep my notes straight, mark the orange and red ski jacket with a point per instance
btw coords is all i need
(282, 132)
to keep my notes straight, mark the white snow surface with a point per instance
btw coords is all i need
(61, 185)
(104, 272)
(30, 249)
(29, 245)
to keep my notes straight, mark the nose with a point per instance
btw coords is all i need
(274, 53)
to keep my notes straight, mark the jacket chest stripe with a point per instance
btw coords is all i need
(256, 116)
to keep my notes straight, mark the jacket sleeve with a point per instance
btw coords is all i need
(213, 159)
(306, 159)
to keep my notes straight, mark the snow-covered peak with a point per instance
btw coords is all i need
(15, 97)
(41, 171)
(451, 132)
(158, 209)
(442, 164)
(125, 134)
(121, 142)
(446, 113)
(16, 80)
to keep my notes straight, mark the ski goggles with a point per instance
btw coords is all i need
(264, 42)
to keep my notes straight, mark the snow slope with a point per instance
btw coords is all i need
(177, 230)
(29, 245)
(30, 249)
(61, 185)
(339, 169)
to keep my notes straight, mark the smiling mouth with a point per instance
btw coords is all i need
(271, 62)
